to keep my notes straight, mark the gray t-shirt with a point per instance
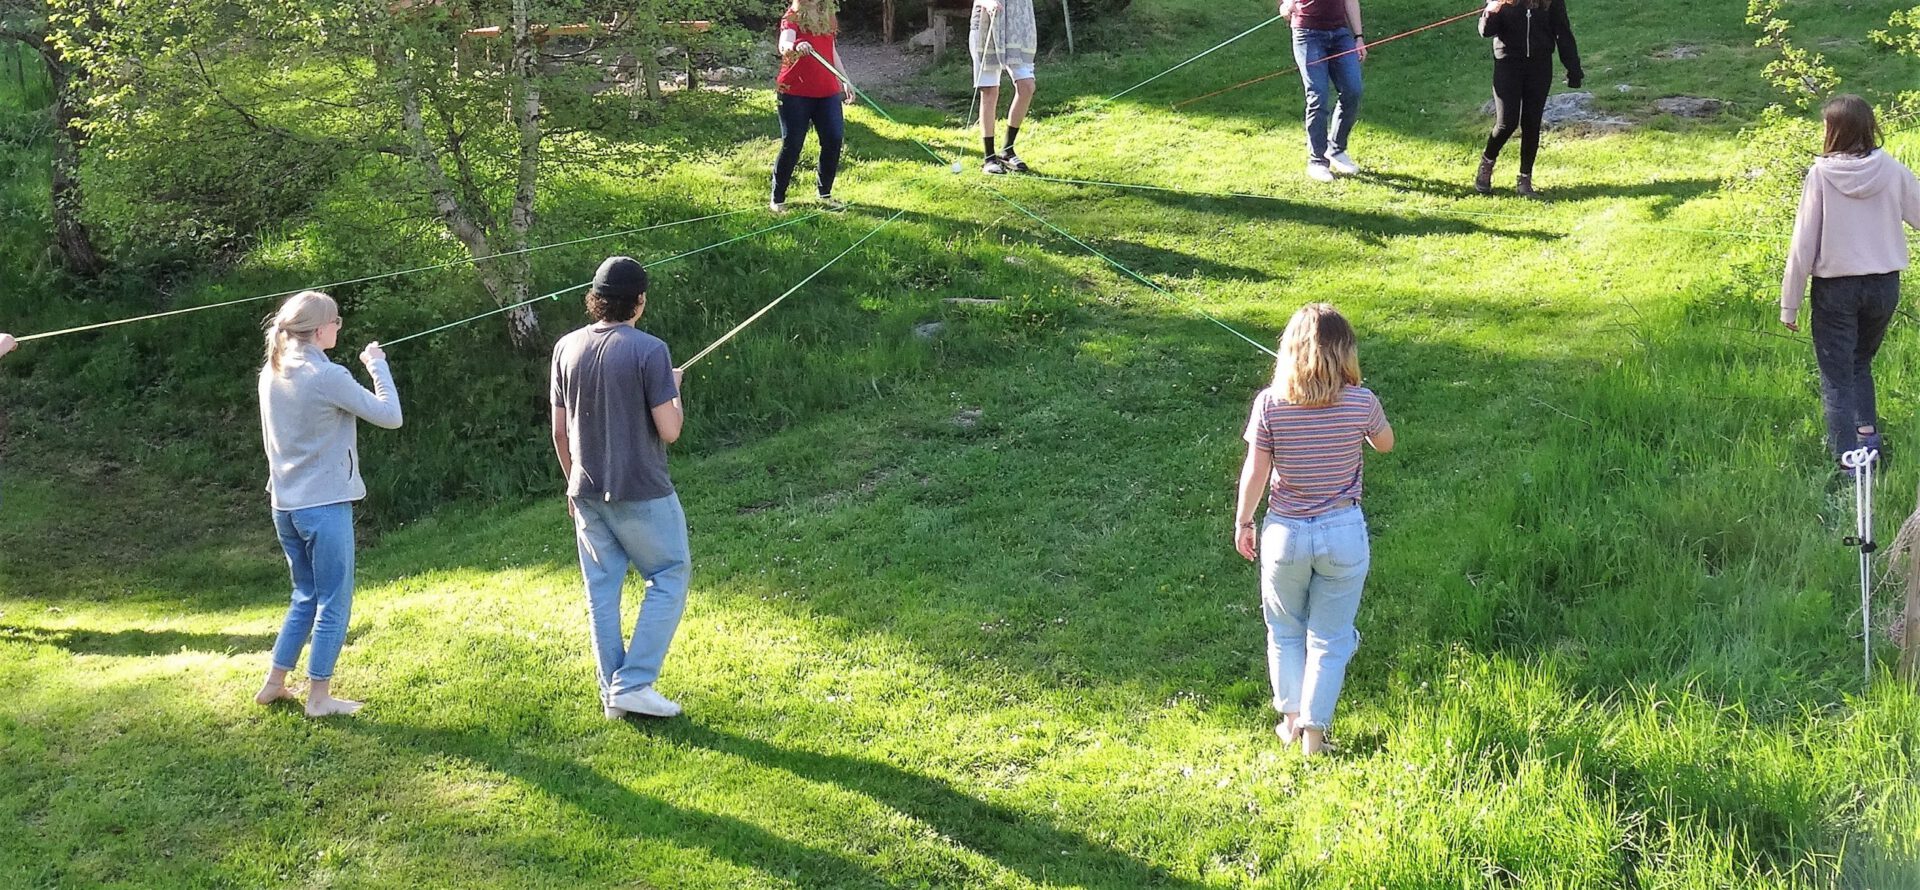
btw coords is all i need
(609, 378)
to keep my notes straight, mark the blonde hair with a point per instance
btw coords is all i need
(1319, 357)
(816, 16)
(299, 317)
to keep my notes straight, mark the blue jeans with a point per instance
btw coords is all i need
(1310, 51)
(319, 545)
(827, 118)
(651, 536)
(1311, 572)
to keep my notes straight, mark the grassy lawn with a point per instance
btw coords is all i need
(965, 609)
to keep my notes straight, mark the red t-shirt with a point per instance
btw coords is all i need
(803, 75)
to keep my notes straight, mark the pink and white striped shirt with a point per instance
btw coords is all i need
(1316, 451)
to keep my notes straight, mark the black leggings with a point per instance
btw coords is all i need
(1520, 91)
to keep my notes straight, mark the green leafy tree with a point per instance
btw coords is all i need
(47, 29)
(457, 106)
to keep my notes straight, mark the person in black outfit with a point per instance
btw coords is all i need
(1525, 34)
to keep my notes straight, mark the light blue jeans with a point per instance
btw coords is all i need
(1311, 572)
(650, 536)
(1311, 47)
(319, 545)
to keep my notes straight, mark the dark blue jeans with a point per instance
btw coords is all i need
(1311, 47)
(1850, 318)
(825, 116)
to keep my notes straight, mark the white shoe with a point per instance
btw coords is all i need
(777, 206)
(1319, 173)
(1342, 164)
(645, 701)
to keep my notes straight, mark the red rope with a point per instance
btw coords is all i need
(1266, 77)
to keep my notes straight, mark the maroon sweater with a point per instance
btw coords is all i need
(1319, 15)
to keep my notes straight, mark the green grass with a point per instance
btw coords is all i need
(965, 611)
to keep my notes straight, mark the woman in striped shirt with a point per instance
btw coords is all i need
(1303, 448)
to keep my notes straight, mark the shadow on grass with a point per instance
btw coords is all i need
(1372, 227)
(135, 642)
(1035, 848)
(626, 813)
(1666, 191)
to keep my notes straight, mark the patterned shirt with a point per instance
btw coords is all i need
(1316, 451)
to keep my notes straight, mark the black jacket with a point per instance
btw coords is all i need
(1523, 32)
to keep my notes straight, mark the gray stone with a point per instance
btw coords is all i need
(929, 330)
(1689, 106)
(1677, 52)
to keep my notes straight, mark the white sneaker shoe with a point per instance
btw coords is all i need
(1319, 173)
(777, 206)
(645, 701)
(1342, 164)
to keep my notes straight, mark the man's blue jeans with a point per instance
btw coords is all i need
(1311, 48)
(319, 545)
(650, 536)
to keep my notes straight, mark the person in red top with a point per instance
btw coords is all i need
(810, 96)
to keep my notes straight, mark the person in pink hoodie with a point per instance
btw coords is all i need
(1847, 236)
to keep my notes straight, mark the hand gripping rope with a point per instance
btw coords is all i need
(1861, 461)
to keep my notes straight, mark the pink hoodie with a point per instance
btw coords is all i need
(1849, 223)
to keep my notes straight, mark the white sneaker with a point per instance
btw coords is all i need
(777, 206)
(645, 701)
(1342, 164)
(1319, 173)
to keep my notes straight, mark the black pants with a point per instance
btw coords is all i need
(825, 116)
(1520, 89)
(1850, 317)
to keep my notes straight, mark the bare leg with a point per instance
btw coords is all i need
(1022, 98)
(1288, 730)
(321, 703)
(989, 110)
(275, 689)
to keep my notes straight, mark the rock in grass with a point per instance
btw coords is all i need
(929, 330)
(1689, 106)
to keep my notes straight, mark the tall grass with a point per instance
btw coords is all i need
(965, 611)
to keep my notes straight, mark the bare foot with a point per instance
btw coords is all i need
(1313, 742)
(273, 692)
(1288, 729)
(329, 706)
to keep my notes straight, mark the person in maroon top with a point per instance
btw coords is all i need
(811, 95)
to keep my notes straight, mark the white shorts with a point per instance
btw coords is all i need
(990, 77)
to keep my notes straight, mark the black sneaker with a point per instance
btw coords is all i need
(1013, 162)
(995, 165)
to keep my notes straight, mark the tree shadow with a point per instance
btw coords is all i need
(1372, 227)
(1036, 848)
(628, 813)
(82, 641)
(1666, 191)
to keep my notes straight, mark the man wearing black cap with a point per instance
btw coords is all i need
(616, 408)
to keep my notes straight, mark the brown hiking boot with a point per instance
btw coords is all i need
(1483, 181)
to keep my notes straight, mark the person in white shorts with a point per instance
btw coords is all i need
(1003, 38)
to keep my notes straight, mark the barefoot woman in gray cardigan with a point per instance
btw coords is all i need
(309, 408)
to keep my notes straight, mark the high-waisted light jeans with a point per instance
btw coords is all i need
(1311, 572)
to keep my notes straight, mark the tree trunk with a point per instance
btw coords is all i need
(70, 234)
(1910, 621)
(522, 324)
(506, 278)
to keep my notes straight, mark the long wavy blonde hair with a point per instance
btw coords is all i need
(1319, 357)
(816, 16)
(299, 317)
